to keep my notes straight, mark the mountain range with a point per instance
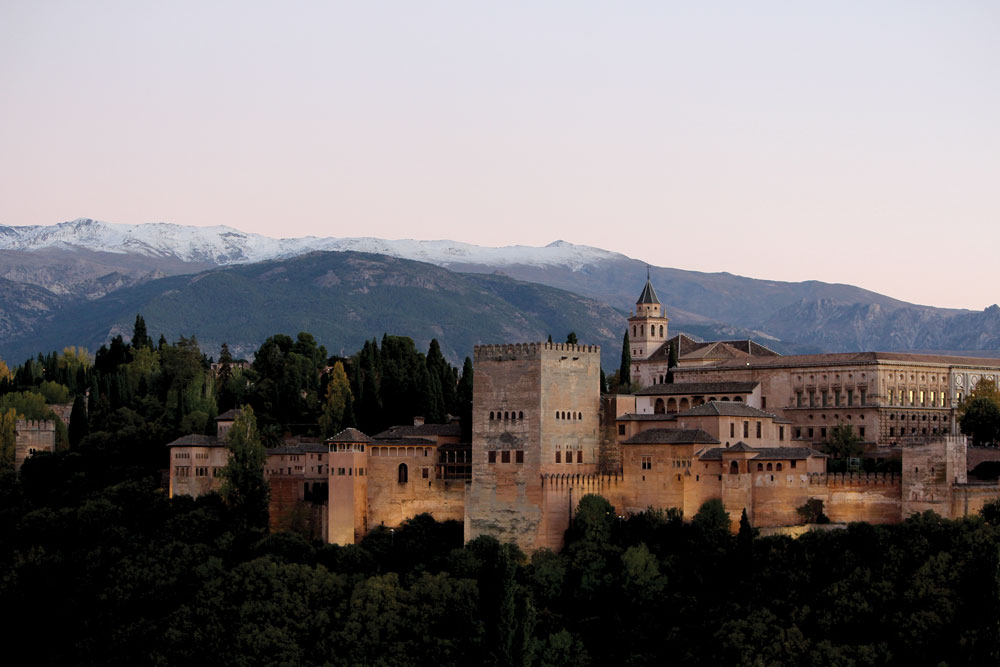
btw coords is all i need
(81, 282)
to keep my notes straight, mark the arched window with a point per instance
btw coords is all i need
(770, 467)
(684, 404)
(659, 408)
(734, 468)
(506, 416)
(491, 416)
(777, 467)
(738, 399)
(760, 467)
(661, 331)
(564, 415)
(520, 415)
(404, 474)
(641, 330)
(671, 405)
(633, 331)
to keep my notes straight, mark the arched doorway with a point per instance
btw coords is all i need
(734, 468)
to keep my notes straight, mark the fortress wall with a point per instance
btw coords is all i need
(967, 500)
(775, 497)
(561, 493)
(871, 497)
(391, 502)
(977, 455)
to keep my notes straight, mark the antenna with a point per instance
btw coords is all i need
(647, 272)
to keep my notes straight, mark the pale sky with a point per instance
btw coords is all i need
(854, 142)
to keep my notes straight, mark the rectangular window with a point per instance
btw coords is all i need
(746, 429)
(863, 392)
(425, 472)
(493, 457)
(942, 399)
(850, 397)
(792, 464)
(798, 399)
(910, 396)
(798, 433)
(758, 429)
(922, 397)
(861, 431)
(890, 397)
(519, 456)
(763, 402)
(781, 433)
(812, 399)
(826, 398)
(558, 457)
(732, 430)
(621, 429)
(892, 431)
(579, 456)
(836, 398)
(647, 462)
(569, 457)
(933, 398)
(810, 432)
(505, 456)
(822, 432)
(341, 471)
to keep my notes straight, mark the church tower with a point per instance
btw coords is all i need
(647, 328)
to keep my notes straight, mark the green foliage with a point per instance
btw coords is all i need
(625, 368)
(991, 513)
(79, 426)
(244, 489)
(843, 443)
(571, 338)
(812, 511)
(54, 392)
(8, 436)
(712, 517)
(338, 395)
(981, 421)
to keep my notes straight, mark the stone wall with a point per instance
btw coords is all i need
(33, 436)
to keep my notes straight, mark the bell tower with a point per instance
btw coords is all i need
(647, 327)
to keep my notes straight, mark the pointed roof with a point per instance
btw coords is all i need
(349, 435)
(648, 295)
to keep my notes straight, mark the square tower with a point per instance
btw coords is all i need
(535, 411)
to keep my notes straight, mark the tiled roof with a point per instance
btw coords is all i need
(402, 442)
(725, 409)
(648, 294)
(672, 436)
(453, 429)
(851, 358)
(698, 388)
(645, 417)
(194, 440)
(693, 349)
(763, 453)
(350, 435)
(229, 415)
(740, 447)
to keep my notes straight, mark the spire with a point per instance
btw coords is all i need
(648, 295)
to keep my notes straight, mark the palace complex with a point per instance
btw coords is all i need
(727, 420)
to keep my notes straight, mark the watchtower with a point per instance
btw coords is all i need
(648, 329)
(348, 475)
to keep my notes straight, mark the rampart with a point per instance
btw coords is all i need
(561, 493)
(508, 351)
(33, 436)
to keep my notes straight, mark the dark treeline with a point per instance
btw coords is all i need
(117, 574)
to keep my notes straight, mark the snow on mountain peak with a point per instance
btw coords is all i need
(225, 245)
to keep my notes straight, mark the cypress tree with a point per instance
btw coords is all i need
(625, 370)
(140, 338)
(604, 382)
(464, 398)
(79, 428)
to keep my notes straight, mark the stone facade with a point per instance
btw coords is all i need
(33, 436)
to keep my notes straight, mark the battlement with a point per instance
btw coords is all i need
(591, 480)
(508, 351)
(23, 425)
(856, 479)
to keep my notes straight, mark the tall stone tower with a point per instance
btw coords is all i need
(347, 518)
(647, 328)
(535, 411)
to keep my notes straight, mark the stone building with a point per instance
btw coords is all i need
(32, 436)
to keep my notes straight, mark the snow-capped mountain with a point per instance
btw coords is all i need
(224, 245)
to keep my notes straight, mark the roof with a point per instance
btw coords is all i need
(763, 453)
(725, 409)
(195, 440)
(409, 430)
(851, 358)
(648, 294)
(699, 388)
(349, 435)
(672, 436)
(229, 415)
(690, 348)
(403, 442)
(646, 417)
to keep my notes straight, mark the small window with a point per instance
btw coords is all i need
(579, 456)
(491, 415)
(792, 464)
(781, 433)
(519, 456)
(621, 429)
(777, 467)
(760, 467)
(770, 467)
(505, 456)
(425, 472)
(647, 463)
(732, 430)
(758, 429)
(520, 415)
(492, 457)
(746, 429)
(403, 474)
(558, 457)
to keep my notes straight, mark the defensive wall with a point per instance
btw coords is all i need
(33, 436)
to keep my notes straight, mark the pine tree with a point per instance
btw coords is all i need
(625, 370)
(338, 393)
(140, 338)
(571, 338)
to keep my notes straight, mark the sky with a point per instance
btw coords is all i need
(850, 142)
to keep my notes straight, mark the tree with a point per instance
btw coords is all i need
(338, 393)
(625, 370)
(981, 421)
(5, 373)
(744, 539)
(812, 511)
(571, 338)
(843, 443)
(604, 382)
(463, 396)
(79, 427)
(712, 517)
(139, 336)
(244, 489)
(8, 438)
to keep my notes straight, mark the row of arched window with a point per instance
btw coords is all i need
(568, 415)
(652, 331)
(506, 416)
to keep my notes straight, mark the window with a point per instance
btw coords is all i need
(734, 468)
(647, 463)
(746, 429)
(892, 431)
(810, 432)
(558, 457)
(732, 430)
(861, 431)
(760, 467)
(425, 472)
(792, 464)
(922, 397)
(862, 392)
(826, 397)
(822, 432)
(781, 433)
(569, 457)
(850, 397)
(769, 467)
(812, 399)
(777, 466)
(492, 457)
(404, 474)
(343, 471)
(505, 456)
(798, 399)
(763, 402)
(758, 429)
(520, 415)
(836, 398)
(491, 415)
(798, 433)
(579, 456)
(519, 456)
(621, 429)
(889, 396)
